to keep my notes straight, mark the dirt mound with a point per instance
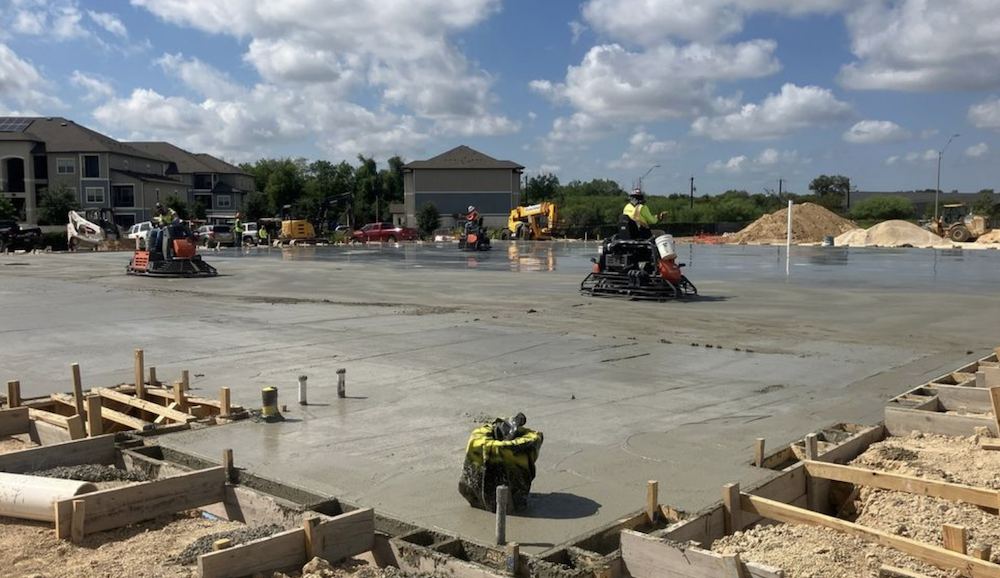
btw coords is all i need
(991, 237)
(810, 223)
(894, 233)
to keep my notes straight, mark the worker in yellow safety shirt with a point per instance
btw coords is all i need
(262, 234)
(637, 210)
(163, 216)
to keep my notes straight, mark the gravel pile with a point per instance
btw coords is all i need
(203, 545)
(810, 223)
(894, 233)
(92, 473)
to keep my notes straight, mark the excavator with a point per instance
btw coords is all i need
(532, 223)
(958, 225)
(299, 230)
(94, 230)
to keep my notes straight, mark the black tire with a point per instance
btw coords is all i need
(390, 239)
(3, 246)
(505, 235)
(524, 233)
(959, 234)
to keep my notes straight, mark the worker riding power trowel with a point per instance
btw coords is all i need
(501, 453)
(169, 251)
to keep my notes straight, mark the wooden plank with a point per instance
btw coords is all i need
(731, 506)
(993, 446)
(222, 544)
(652, 500)
(227, 463)
(892, 572)
(77, 388)
(118, 507)
(904, 483)
(812, 446)
(152, 377)
(974, 399)
(345, 535)
(902, 422)
(995, 404)
(934, 555)
(981, 551)
(185, 381)
(224, 401)
(49, 417)
(277, 551)
(171, 414)
(988, 376)
(77, 428)
(108, 413)
(179, 398)
(955, 538)
(140, 386)
(644, 556)
(98, 450)
(309, 527)
(45, 434)
(758, 453)
(13, 394)
(162, 418)
(95, 424)
(77, 524)
(14, 421)
(853, 446)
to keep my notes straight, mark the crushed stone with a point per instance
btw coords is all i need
(810, 223)
(203, 545)
(92, 473)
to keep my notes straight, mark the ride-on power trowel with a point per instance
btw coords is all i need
(169, 252)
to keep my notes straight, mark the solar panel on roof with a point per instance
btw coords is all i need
(14, 123)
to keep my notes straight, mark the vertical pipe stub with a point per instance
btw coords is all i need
(302, 390)
(269, 403)
(341, 382)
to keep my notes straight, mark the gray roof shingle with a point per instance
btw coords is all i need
(462, 157)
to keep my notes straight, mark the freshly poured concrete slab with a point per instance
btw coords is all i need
(435, 341)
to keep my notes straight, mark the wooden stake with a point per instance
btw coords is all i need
(758, 453)
(152, 376)
(95, 425)
(982, 551)
(140, 386)
(76, 427)
(221, 544)
(309, 524)
(733, 566)
(955, 538)
(76, 526)
(513, 558)
(77, 388)
(503, 495)
(225, 407)
(732, 508)
(227, 462)
(992, 446)
(186, 380)
(812, 446)
(652, 501)
(13, 393)
(995, 402)
(179, 396)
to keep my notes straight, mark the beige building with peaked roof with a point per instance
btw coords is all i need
(456, 179)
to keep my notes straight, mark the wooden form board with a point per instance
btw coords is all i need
(334, 538)
(14, 421)
(934, 555)
(45, 434)
(117, 507)
(109, 414)
(95, 450)
(73, 425)
(155, 408)
(903, 483)
(901, 422)
(644, 556)
(955, 397)
(416, 559)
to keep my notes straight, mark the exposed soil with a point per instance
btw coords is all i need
(949, 459)
(991, 237)
(15, 443)
(810, 223)
(317, 568)
(810, 552)
(31, 549)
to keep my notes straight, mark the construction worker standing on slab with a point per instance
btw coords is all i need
(261, 234)
(238, 230)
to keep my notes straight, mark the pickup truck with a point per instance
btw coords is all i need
(384, 232)
(14, 237)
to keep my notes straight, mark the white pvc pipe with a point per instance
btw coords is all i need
(788, 242)
(32, 497)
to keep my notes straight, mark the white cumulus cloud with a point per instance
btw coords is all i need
(986, 114)
(109, 22)
(766, 159)
(23, 85)
(795, 108)
(94, 88)
(875, 131)
(644, 150)
(977, 150)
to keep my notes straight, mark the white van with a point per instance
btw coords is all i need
(138, 232)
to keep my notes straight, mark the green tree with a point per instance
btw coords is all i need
(983, 205)
(428, 219)
(882, 208)
(830, 191)
(541, 188)
(177, 204)
(55, 205)
(285, 183)
(255, 206)
(8, 211)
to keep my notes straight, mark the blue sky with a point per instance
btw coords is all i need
(737, 93)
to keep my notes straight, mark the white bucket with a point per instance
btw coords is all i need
(665, 245)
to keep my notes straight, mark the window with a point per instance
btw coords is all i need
(41, 168)
(225, 201)
(94, 195)
(65, 166)
(202, 181)
(125, 164)
(125, 219)
(91, 167)
(123, 195)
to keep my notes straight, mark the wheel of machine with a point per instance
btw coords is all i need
(524, 233)
(73, 244)
(959, 234)
(390, 239)
(505, 235)
(3, 246)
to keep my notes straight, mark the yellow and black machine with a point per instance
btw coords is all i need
(299, 230)
(958, 224)
(532, 223)
(501, 453)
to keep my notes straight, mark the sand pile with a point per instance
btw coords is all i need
(893, 233)
(810, 223)
(991, 237)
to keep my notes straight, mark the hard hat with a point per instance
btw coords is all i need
(636, 192)
(159, 205)
(472, 208)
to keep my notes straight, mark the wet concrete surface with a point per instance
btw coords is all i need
(434, 340)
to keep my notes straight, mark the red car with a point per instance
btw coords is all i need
(385, 232)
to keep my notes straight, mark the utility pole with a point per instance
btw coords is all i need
(937, 190)
(692, 192)
(781, 183)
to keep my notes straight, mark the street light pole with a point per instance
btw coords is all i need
(937, 191)
(643, 177)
